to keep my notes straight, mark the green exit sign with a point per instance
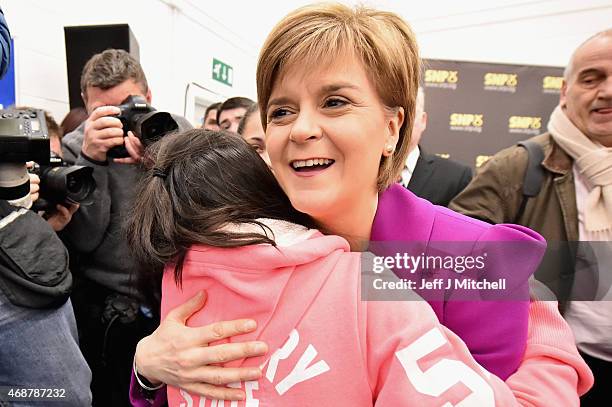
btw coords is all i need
(222, 72)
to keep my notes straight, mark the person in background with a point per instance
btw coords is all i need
(431, 177)
(209, 121)
(72, 120)
(251, 129)
(337, 86)
(231, 111)
(574, 202)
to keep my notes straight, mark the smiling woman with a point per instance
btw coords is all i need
(333, 116)
(337, 89)
(340, 84)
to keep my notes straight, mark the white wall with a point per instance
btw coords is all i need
(177, 45)
(179, 38)
(536, 32)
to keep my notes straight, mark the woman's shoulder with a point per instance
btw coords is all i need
(401, 215)
(451, 224)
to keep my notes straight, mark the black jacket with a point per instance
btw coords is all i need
(33, 261)
(437, 179)
(5, 45)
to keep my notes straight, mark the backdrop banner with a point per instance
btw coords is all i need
(476, 109)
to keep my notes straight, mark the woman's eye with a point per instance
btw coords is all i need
(281, 112)
(334, 102)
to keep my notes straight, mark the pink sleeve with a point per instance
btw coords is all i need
(413, 360)
(552, 372)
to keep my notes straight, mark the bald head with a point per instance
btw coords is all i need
(586, 94)
(569, 68)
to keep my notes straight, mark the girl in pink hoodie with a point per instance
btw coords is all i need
(211, 212)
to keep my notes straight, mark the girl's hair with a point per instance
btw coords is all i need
(197, 184)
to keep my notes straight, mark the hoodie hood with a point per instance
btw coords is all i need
(295, 245)
(259, 281)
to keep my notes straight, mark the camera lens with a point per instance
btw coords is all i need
(74, 184)
(155, 125)
(79, 186)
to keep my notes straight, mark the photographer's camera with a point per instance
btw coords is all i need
(24, 136)
(144, 121)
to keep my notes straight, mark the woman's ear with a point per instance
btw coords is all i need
(394, 124)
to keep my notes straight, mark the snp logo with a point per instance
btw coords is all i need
(525, 124)
(552, 84)
(437, 78)
(502, 82)
(467, 122)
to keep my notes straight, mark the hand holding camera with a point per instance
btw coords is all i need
(103, 131)
(62, 215)
(34, 183)
(134, 148)
(124, 131)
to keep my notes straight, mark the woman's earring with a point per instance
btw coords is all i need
(390, 148)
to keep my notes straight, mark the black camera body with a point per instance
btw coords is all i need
(144, 121)
(23, 136)
(61, 183)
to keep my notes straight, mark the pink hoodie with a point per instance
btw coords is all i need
(327, 347)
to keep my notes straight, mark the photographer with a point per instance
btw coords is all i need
(38, 333)
(110, 315)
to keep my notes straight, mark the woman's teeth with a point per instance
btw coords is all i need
(311, 163)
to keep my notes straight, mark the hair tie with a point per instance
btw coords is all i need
(158, 172)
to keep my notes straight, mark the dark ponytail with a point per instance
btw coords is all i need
(197, 183)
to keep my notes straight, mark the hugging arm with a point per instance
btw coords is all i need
(179, 355)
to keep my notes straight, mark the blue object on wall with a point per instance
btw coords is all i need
(7, 84)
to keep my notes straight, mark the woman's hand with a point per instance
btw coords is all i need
(180, 356)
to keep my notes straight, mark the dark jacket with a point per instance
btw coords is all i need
(438, 179)
(496, 193)
(5, 45)
(33, 261)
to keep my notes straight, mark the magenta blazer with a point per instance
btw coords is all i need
(494, 331)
